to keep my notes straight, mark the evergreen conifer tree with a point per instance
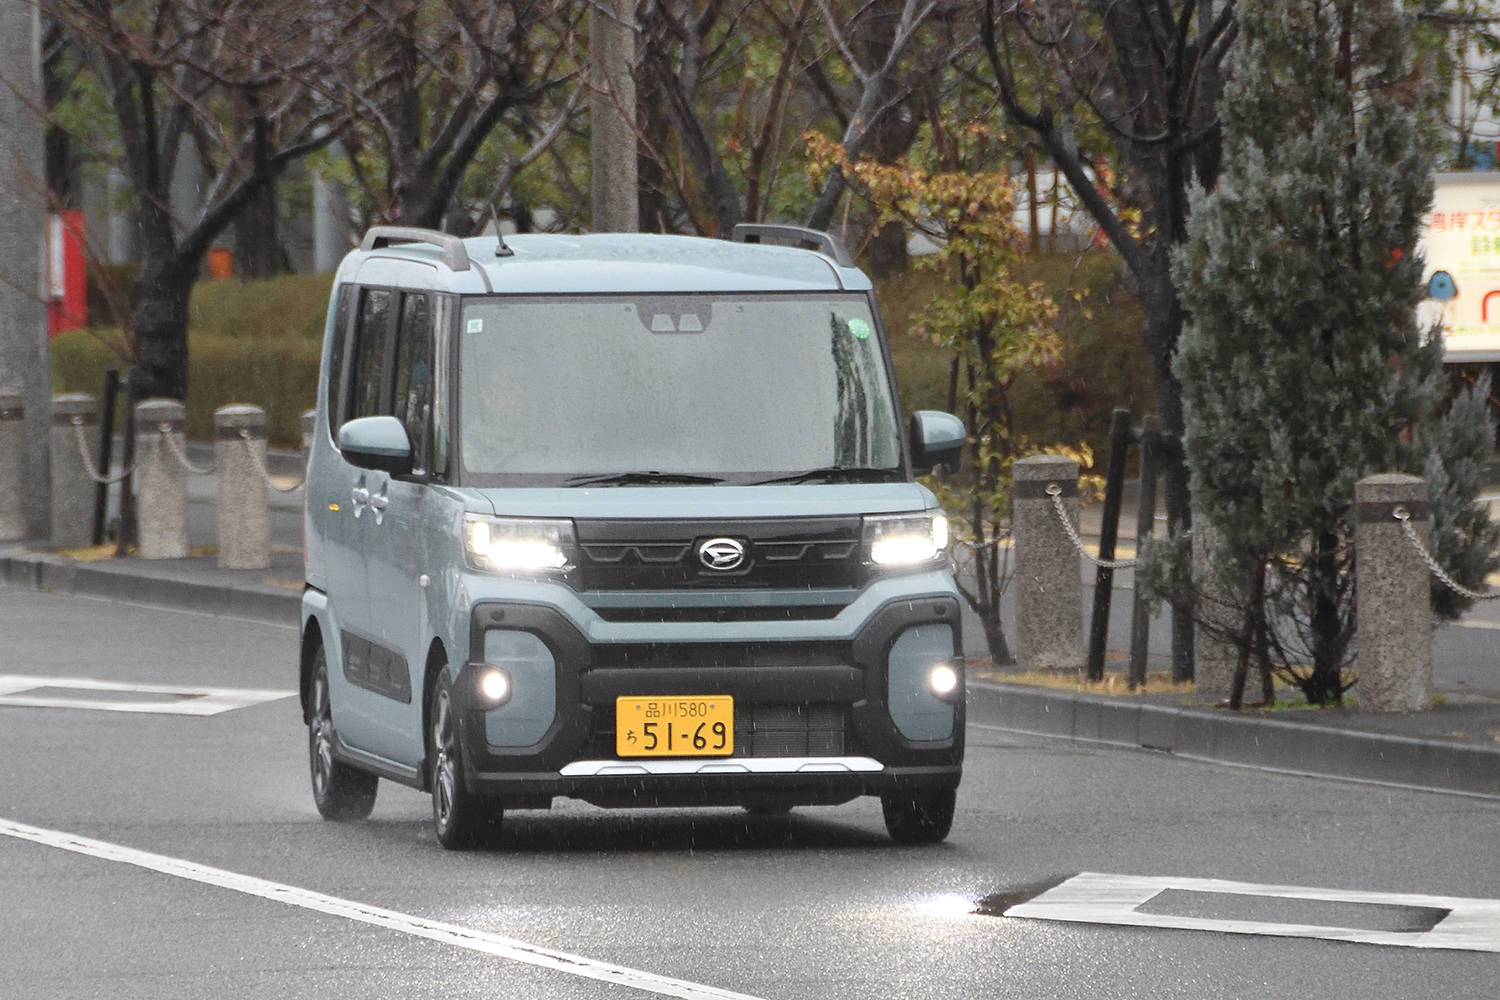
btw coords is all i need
(1303, 368)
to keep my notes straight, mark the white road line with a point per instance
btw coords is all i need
(200, 701)
(1093, 898)
(433, 930)
(1476, 623)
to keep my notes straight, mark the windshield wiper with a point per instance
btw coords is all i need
(838, 473)
(644, 479)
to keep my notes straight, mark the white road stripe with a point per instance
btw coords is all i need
(200, 701)
(1093, 898)
(433, 930)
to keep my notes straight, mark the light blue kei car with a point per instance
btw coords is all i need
(626, 518)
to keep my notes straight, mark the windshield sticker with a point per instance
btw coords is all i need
(476, 326)
(859, 328)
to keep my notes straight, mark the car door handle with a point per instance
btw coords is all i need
(378, 503)
(361, 499)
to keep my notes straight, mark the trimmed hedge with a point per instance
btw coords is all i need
(248, 342)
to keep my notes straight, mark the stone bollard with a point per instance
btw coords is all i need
(1393, 617)
(1049, 595)
(12, 464)
(1214, 656)
(244, 512)
(309, 422)
(72, 480)
(161, 479)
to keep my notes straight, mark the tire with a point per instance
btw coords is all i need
(460, 818)
(919, 818)
(339, 791)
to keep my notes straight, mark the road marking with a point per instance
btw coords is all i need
(1478, 622)
(433, 930)
(1092, 898)
(178, 700)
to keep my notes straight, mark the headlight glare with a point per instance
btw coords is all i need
(495, 685)
(906, 539)
(517, 545)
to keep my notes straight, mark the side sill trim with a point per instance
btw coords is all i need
(388, 769)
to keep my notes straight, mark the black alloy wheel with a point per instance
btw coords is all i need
(339, 791)
(919, 817)
(461, 818)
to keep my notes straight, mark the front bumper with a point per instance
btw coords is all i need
(844, 679)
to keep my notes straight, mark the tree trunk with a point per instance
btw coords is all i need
(257, 237)
(887, 251)
(160, 322)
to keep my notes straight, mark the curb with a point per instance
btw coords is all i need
(1226, 738)
(60, 575)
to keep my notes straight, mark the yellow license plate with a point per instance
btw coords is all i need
(675, 726)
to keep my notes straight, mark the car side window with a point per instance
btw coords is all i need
(368, 394)
(337, 357)
(413, 372)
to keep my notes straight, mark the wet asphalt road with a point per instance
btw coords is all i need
(816, 905)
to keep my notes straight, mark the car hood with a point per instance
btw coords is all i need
(700, 503)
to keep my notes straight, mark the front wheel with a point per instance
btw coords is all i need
(461, 818)
(919, 817)
(339, 791)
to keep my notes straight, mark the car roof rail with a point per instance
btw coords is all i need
(455, 254)
(801, 236)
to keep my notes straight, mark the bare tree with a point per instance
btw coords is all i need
(433, 86)
(172, 71)
(1149, 73)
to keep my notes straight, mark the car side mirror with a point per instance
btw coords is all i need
(376, 443)
(937, 438)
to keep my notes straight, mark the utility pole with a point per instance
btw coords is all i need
(25, 363)
(612, 116)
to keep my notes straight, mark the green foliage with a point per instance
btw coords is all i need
(1302, 367)
(248, 342)
(994, 326)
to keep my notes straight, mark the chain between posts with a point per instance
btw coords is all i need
(1055, 492)
(181, 453)
(1404, 516)
(260, 466)
(88, 462)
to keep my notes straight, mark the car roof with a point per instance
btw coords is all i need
(546, 263)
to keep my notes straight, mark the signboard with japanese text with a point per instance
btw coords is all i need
(1461, 244)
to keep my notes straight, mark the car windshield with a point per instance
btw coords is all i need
(672, 389)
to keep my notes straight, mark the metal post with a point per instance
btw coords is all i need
(1145, 523)
(25, 366)
(1049, 595)
(106, 451)
(161, 479)
(1109, 529)
(244, 510)
(74, 416)
(612, 116)
(1393, 619)
(12, 466)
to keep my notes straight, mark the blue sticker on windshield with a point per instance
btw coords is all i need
(859, 328)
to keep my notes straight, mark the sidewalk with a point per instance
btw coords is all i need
(1453, 747)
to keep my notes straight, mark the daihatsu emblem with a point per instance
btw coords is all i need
(721, 553)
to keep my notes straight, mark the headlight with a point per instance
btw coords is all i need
(517, 545)
(906, 539)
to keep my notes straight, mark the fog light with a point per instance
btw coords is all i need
(943, 680)
(495, 686)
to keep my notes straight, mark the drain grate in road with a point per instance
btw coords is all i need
(1402, 920)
